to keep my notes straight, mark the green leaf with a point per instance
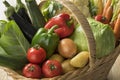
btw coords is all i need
(13, 45)
(2, 24)
(50, 8)
(92, 8)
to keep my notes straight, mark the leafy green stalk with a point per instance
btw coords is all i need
(10, 9)
(13, 46)
(116, 8)
(2, 24)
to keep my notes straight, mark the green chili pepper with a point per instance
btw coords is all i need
(47, 39)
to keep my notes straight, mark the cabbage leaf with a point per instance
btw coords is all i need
(103, 34)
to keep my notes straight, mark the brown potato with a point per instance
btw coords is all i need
(80, 60)
(67, 48)
(57, 57)
(67, 66)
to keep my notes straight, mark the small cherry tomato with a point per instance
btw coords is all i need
(52, 68)
(101, 19)
(36, 55)
(32, 71)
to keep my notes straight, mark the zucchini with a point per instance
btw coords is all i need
(21, 10)
(27, 29)
(36, 16)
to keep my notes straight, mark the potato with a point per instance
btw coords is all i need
(67, 48)
(80, 60)
(57, 57)
(67, 66)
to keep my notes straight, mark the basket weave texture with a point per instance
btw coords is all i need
(97, 69)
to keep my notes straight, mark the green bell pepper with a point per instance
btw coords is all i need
(47, 39)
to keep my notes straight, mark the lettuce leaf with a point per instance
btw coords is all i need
(50, 8)
(103, 34)
(13, 46)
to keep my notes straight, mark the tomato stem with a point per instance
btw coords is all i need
(31, 68)
(52, 67)
(37, 46)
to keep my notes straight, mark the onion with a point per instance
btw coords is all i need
(67, 48)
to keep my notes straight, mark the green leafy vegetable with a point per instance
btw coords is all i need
(2, 24)
(104, 37)
(116, 9)
(13, 46)
(92, 8)
(49, 8)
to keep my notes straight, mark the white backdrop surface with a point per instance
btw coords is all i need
(3, 8)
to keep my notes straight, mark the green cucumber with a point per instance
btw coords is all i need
(36, 16)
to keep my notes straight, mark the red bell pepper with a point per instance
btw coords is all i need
(64, 22)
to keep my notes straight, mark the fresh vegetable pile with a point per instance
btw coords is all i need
(107, 12)
(48, 43)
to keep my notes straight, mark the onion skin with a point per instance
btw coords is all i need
(67, 48)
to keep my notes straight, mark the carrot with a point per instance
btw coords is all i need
(107, 4)
(117, 28)
(109, 13)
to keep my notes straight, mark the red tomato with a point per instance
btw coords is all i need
(32, 71)
(101, 18)
(52, 68)
(36, 55)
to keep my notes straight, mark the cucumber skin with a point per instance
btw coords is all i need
(37, 18)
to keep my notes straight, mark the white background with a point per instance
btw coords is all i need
(2, 7)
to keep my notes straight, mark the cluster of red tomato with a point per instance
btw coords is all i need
(39, 66)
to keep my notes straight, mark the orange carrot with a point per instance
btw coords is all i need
(109, 11)
(107, 4)
(117, 28)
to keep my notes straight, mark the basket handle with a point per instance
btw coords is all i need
(85, 25)
(81, 19)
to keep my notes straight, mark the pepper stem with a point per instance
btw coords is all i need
(37, 46)
(52, 29)
(69, 22)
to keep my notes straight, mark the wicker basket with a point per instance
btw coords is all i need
(97, 69)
